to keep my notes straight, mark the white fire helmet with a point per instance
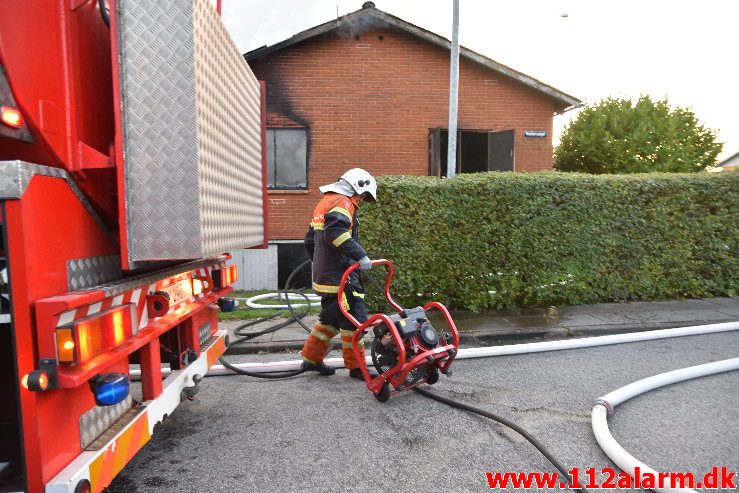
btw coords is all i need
(361, 182)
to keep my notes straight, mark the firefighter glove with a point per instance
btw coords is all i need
(365, 263)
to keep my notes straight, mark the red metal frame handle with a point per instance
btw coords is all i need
(447, 316)
(388, 296)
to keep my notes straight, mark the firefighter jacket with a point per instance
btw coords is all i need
(332, 242)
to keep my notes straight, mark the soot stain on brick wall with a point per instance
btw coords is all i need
(279, 101)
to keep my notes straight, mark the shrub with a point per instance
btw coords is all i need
(510, 240)
(618, 136)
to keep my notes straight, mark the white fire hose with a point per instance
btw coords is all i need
(607, 404)
(483, 352)
(308, 299)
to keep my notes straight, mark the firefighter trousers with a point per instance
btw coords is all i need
(332, 322)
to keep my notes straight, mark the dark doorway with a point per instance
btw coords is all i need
(473, 151)
(477, 151)
(289, 257)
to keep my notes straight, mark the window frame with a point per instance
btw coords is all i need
(272, 150)
(437, 149)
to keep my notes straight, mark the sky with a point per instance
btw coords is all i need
(686, 51)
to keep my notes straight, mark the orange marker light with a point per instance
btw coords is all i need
(65, 345)
(230, 274)
(11, 117)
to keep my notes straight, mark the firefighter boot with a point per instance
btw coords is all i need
(350, 359)
(316, 347)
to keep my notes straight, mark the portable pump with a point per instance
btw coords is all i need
(406, 351)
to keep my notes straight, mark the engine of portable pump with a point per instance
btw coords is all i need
(418, 335)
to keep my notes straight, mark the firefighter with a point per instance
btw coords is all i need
(333, 244)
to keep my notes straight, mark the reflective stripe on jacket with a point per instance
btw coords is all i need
(332, 241)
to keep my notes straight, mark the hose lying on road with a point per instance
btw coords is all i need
(506, 350)
(510, 424)
(245, 336)
(651, 335)
(607, 404)
(273, 375)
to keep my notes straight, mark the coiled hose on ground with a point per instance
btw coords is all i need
(245, 336)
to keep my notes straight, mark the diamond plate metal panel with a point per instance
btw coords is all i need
(204, 332)
(98, 419)
(191, 138)
(15, 175)
(83, 273)
(230, 147)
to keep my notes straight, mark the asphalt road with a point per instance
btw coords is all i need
(328, 434)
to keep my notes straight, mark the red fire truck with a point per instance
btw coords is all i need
(130, 159)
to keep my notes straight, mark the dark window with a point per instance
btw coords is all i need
(287, 159)
(477, 150)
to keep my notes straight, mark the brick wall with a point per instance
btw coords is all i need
(369, 100)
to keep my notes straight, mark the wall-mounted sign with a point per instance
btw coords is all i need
(534, 133)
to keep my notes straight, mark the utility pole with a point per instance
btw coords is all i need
(451, 159)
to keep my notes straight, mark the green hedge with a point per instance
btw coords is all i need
(556, 238)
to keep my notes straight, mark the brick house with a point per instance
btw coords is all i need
(371, 90)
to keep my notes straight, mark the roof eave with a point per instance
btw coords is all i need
(301, 36)
(565, 101)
